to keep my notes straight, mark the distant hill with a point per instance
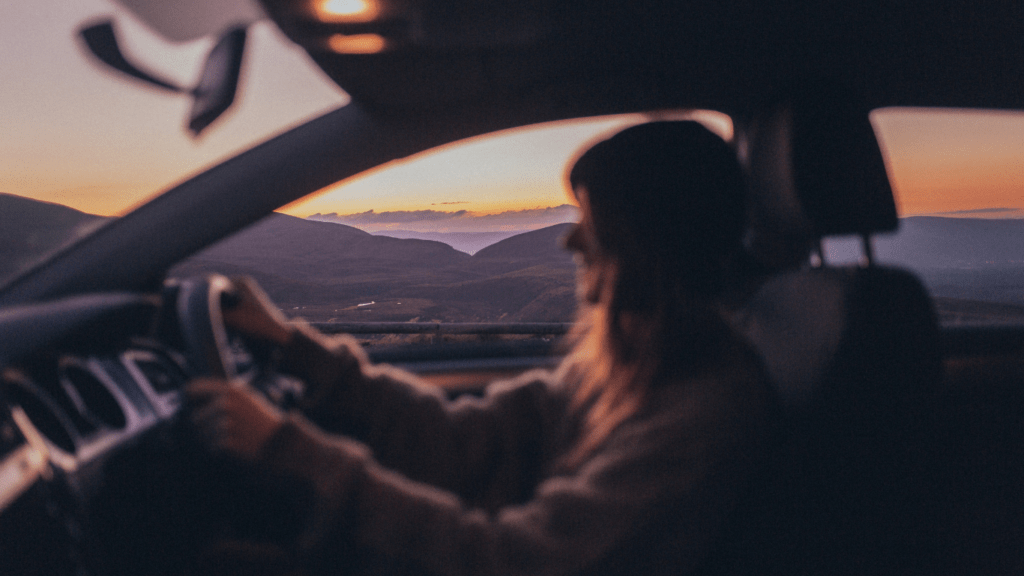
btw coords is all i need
(31, 228)
(967, 259)
(302, 261)
(299, 247)
(543, 244)
(468, 242)
(326, 270)
(968, 311)
(934, 242)
(323, 270)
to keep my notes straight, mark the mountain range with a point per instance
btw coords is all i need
(957, 258)
(468, 242)
(324, 270)
(924, 242)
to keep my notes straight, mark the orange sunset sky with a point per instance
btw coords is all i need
(79, 136)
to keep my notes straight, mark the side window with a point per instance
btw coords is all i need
(958, 177)
(468, 233)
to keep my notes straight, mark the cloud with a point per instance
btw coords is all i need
(457, 221)
(983, 213)
(397, 217)
(565, 210)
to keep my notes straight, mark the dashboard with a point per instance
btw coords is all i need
(87, 376)
(90, 373)
(83, 405)
(98, 470)
(84, 381)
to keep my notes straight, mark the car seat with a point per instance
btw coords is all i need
(852, 352)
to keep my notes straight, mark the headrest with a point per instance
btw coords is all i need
(817, 168)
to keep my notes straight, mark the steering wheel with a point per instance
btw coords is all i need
(200, 304)
(211, 349)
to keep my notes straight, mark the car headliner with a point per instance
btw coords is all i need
(718, 54)
(480, 66)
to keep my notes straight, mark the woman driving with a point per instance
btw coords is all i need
(628, 458)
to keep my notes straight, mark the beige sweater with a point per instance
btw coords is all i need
(476, 485)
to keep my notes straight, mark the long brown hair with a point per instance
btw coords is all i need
(664, 205)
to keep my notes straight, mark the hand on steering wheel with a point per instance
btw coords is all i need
(253, 315)
(208, 306)
(232, 417)
(229, 415)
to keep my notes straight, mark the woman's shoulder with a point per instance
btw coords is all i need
(726, 360)
(732, 395)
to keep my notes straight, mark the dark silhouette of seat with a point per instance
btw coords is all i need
(853, 353)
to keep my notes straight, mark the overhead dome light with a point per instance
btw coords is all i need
(346, 10)
(357, 43)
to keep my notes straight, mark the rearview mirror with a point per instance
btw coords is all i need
(217, 86)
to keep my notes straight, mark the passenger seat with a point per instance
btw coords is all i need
(853, 353)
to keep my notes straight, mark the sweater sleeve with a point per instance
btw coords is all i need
(676, 466)
(472, 442)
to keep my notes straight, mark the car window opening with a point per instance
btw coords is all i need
(958, 178)
(462, 243)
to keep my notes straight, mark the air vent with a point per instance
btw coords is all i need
(162, 374)
(91, 396)
(51, 422)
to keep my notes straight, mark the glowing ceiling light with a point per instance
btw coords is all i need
(346, 10)
(357, 43)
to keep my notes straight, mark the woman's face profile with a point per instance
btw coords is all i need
(582, 241)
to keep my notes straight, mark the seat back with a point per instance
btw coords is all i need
(853, 355)
(852, 352)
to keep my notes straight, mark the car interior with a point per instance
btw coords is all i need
(903, 450)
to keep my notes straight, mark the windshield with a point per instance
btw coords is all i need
(96, 143)
(469, 232)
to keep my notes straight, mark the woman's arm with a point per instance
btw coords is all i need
(488, 441)
(658, 491)
(410, 426)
